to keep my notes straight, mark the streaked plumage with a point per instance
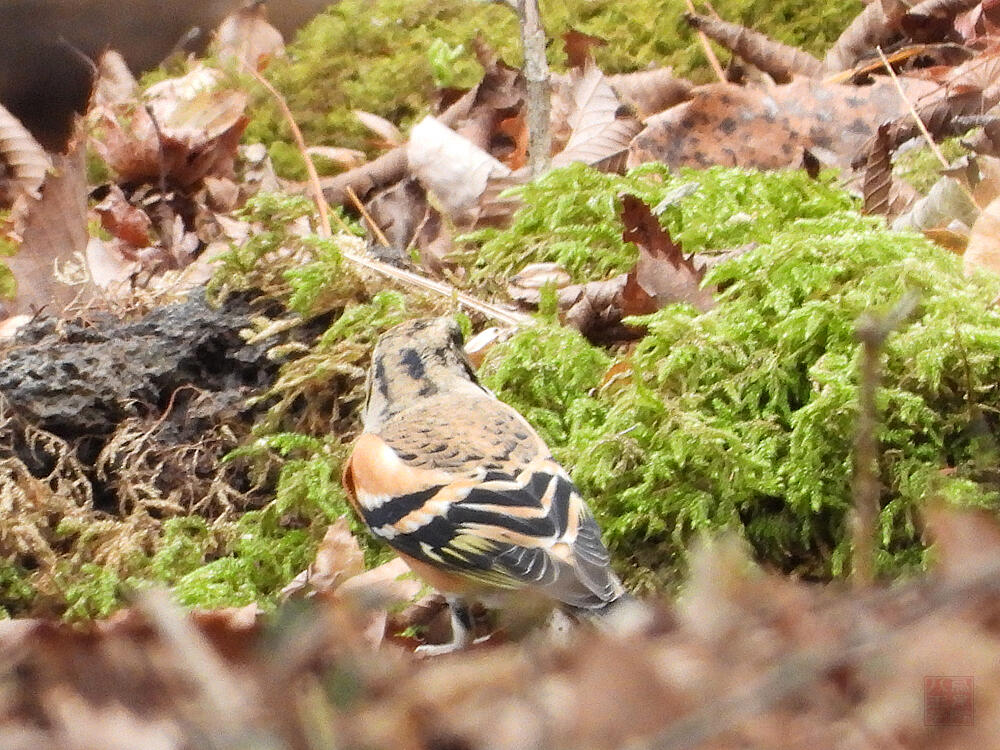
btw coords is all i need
(463, 487)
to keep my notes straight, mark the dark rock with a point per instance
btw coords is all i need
(76, 380)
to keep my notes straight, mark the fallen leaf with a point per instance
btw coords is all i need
(778, 60)
(598, 135)
(123, 220)
(338, 558)
(983, 251)
(25, 160)
(381, 127)
(770, 128)
(54, 231)
(454, 169)
(246, 35)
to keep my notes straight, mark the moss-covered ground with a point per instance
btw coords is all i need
(739, 418)
(387, 56)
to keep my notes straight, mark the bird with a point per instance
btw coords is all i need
(465, 490)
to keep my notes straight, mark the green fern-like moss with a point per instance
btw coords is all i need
(743, 417)
(571, 216)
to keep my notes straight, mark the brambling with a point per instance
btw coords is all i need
(464, 489)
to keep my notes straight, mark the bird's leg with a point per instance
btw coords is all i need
(461, 629)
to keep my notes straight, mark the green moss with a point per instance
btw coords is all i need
(743, 417)
(384, 56)
(920, 166)
(571, 216)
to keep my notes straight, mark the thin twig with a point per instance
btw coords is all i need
(913, 111)
(709, 53)
(536, 78)
(872, 331)
(324, 230)
(376, 230)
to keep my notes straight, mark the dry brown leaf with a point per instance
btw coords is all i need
(246, 35)
(385, 130)
(651, 91)
(55, 230)
(526, 285)
(933, 20)
(451, 167)
(184, 129)
(348, 158)
(338, 558)
(579, 46)
(946, 205)
(25, 160)
(873, 26)
(123, 220)
(770, 128)
(115, 82)
(598, 135)
(881, 195)
(109, 264)
(662, 275)
(778, 60)
(983, 251)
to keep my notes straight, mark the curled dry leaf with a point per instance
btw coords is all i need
(54, 231)
(25, 160)
(947, 204)
(598, 135)
(778, 60)
(381, 127)
(769, 128)
(662, 275)
(123, 220)
(882, 194)
(115, 82)
(873, 26)
(650, 91)
(338, 558)
(348, 158)
(451, 167)
(526, 285)
(246, 35)
(983, 251)
(183, 129)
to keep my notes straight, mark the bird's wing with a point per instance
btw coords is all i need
(481, 498)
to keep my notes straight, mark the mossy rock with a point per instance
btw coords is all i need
(384, 56)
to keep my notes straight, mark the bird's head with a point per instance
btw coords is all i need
(415, 360)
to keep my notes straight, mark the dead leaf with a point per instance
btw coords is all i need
(650, 91)
(348, 158)
(123, 220)
(526, 285)
(663, 274)
(115, 82)
(770, 128)
(946, 203)
(454, 169)
(338, 558)
(983, 251)
(246, 35)
(598, 135)
(109, 265)
(578, 47)
(883, 194)
(874, 26)
(54, 231)
(778, 60)
(389, 133)
(25, 161)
